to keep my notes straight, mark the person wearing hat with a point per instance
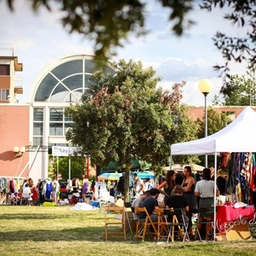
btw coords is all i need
(151, 204)
(137, 203)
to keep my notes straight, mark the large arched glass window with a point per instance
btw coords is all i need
(67, 81)
(63, 82)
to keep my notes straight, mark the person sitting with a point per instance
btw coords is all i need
(137, 203)
(177, 200)
(151, 204)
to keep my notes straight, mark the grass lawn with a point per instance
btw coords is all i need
(60, 231)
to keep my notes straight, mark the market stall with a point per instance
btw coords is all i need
(236, 138)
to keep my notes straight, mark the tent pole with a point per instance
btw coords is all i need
(214, 201)
(170, 159)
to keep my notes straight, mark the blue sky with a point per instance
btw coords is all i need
(39, 40)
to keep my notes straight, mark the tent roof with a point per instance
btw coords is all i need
(235, 137)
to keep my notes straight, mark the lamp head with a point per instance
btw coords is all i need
(205, 86)
(19, 151)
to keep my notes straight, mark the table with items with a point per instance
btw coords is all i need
(233, 220)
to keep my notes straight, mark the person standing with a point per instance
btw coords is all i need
(188, 187)
(85, 183)
(168, 184)
(205, 190)
(138, 185)
(55, 189)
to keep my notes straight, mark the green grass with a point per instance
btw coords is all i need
(61, 231)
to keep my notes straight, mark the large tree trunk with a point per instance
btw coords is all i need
(126, 184)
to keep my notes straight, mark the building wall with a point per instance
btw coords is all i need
(198, 112)
(14, 130)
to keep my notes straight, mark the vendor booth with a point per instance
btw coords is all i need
(237, 137)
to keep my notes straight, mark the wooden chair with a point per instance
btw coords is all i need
(176, 222)
(146, 225)
(115, 222)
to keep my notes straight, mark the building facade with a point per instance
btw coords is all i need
(27, 131)
(42, 123)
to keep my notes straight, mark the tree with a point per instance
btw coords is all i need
(77, 166)
(126, 118)
(240, 90)
(108, 23)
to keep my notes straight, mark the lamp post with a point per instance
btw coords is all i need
(205, 87)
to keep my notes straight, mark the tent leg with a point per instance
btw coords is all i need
(215, 189)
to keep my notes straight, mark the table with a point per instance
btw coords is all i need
(234, 222)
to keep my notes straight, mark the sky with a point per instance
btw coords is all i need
(38, 40)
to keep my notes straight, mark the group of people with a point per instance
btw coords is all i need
(179, 192)
(79, 187)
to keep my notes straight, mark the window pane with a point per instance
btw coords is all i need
(38, 129)
(68, 68)
(56, 114)
(4, 70)
(38, 114)
(56, 129)
(37, 141)
(45, 88)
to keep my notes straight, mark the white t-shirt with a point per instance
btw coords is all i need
(205, 188)
(136, 203)
(138, 184)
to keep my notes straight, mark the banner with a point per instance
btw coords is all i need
(64, 151)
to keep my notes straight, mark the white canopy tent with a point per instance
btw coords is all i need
(238, 136)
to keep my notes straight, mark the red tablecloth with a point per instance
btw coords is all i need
(228, 213)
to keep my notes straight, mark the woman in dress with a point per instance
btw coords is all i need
(84, 187)
(188, 186)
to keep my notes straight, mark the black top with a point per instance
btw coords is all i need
(176, 202)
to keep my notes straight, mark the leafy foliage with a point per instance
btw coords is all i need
(216, 122)
(109, 22)
(240, 90)
(235, 48)
(128, 118)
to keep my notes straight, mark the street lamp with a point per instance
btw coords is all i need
(205, 87)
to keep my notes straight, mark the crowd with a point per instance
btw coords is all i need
(177, 191)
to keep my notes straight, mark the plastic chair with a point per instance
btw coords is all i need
(176, 219)
(115, 222)
(204, 217)
(146, 225)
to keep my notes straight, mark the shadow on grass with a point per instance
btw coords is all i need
(38, 216)
(92, 234)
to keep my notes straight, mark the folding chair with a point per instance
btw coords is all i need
(115, 222)
(146, 225)
(204, 217)
(176, 219)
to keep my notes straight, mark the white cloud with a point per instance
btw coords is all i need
(39, 39)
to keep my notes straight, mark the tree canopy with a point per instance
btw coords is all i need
(240, 90)
(109, 23)
(128, 117)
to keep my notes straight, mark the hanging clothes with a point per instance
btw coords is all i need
(231, 175)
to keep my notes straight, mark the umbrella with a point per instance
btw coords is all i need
(146, 175)
(110, 176)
